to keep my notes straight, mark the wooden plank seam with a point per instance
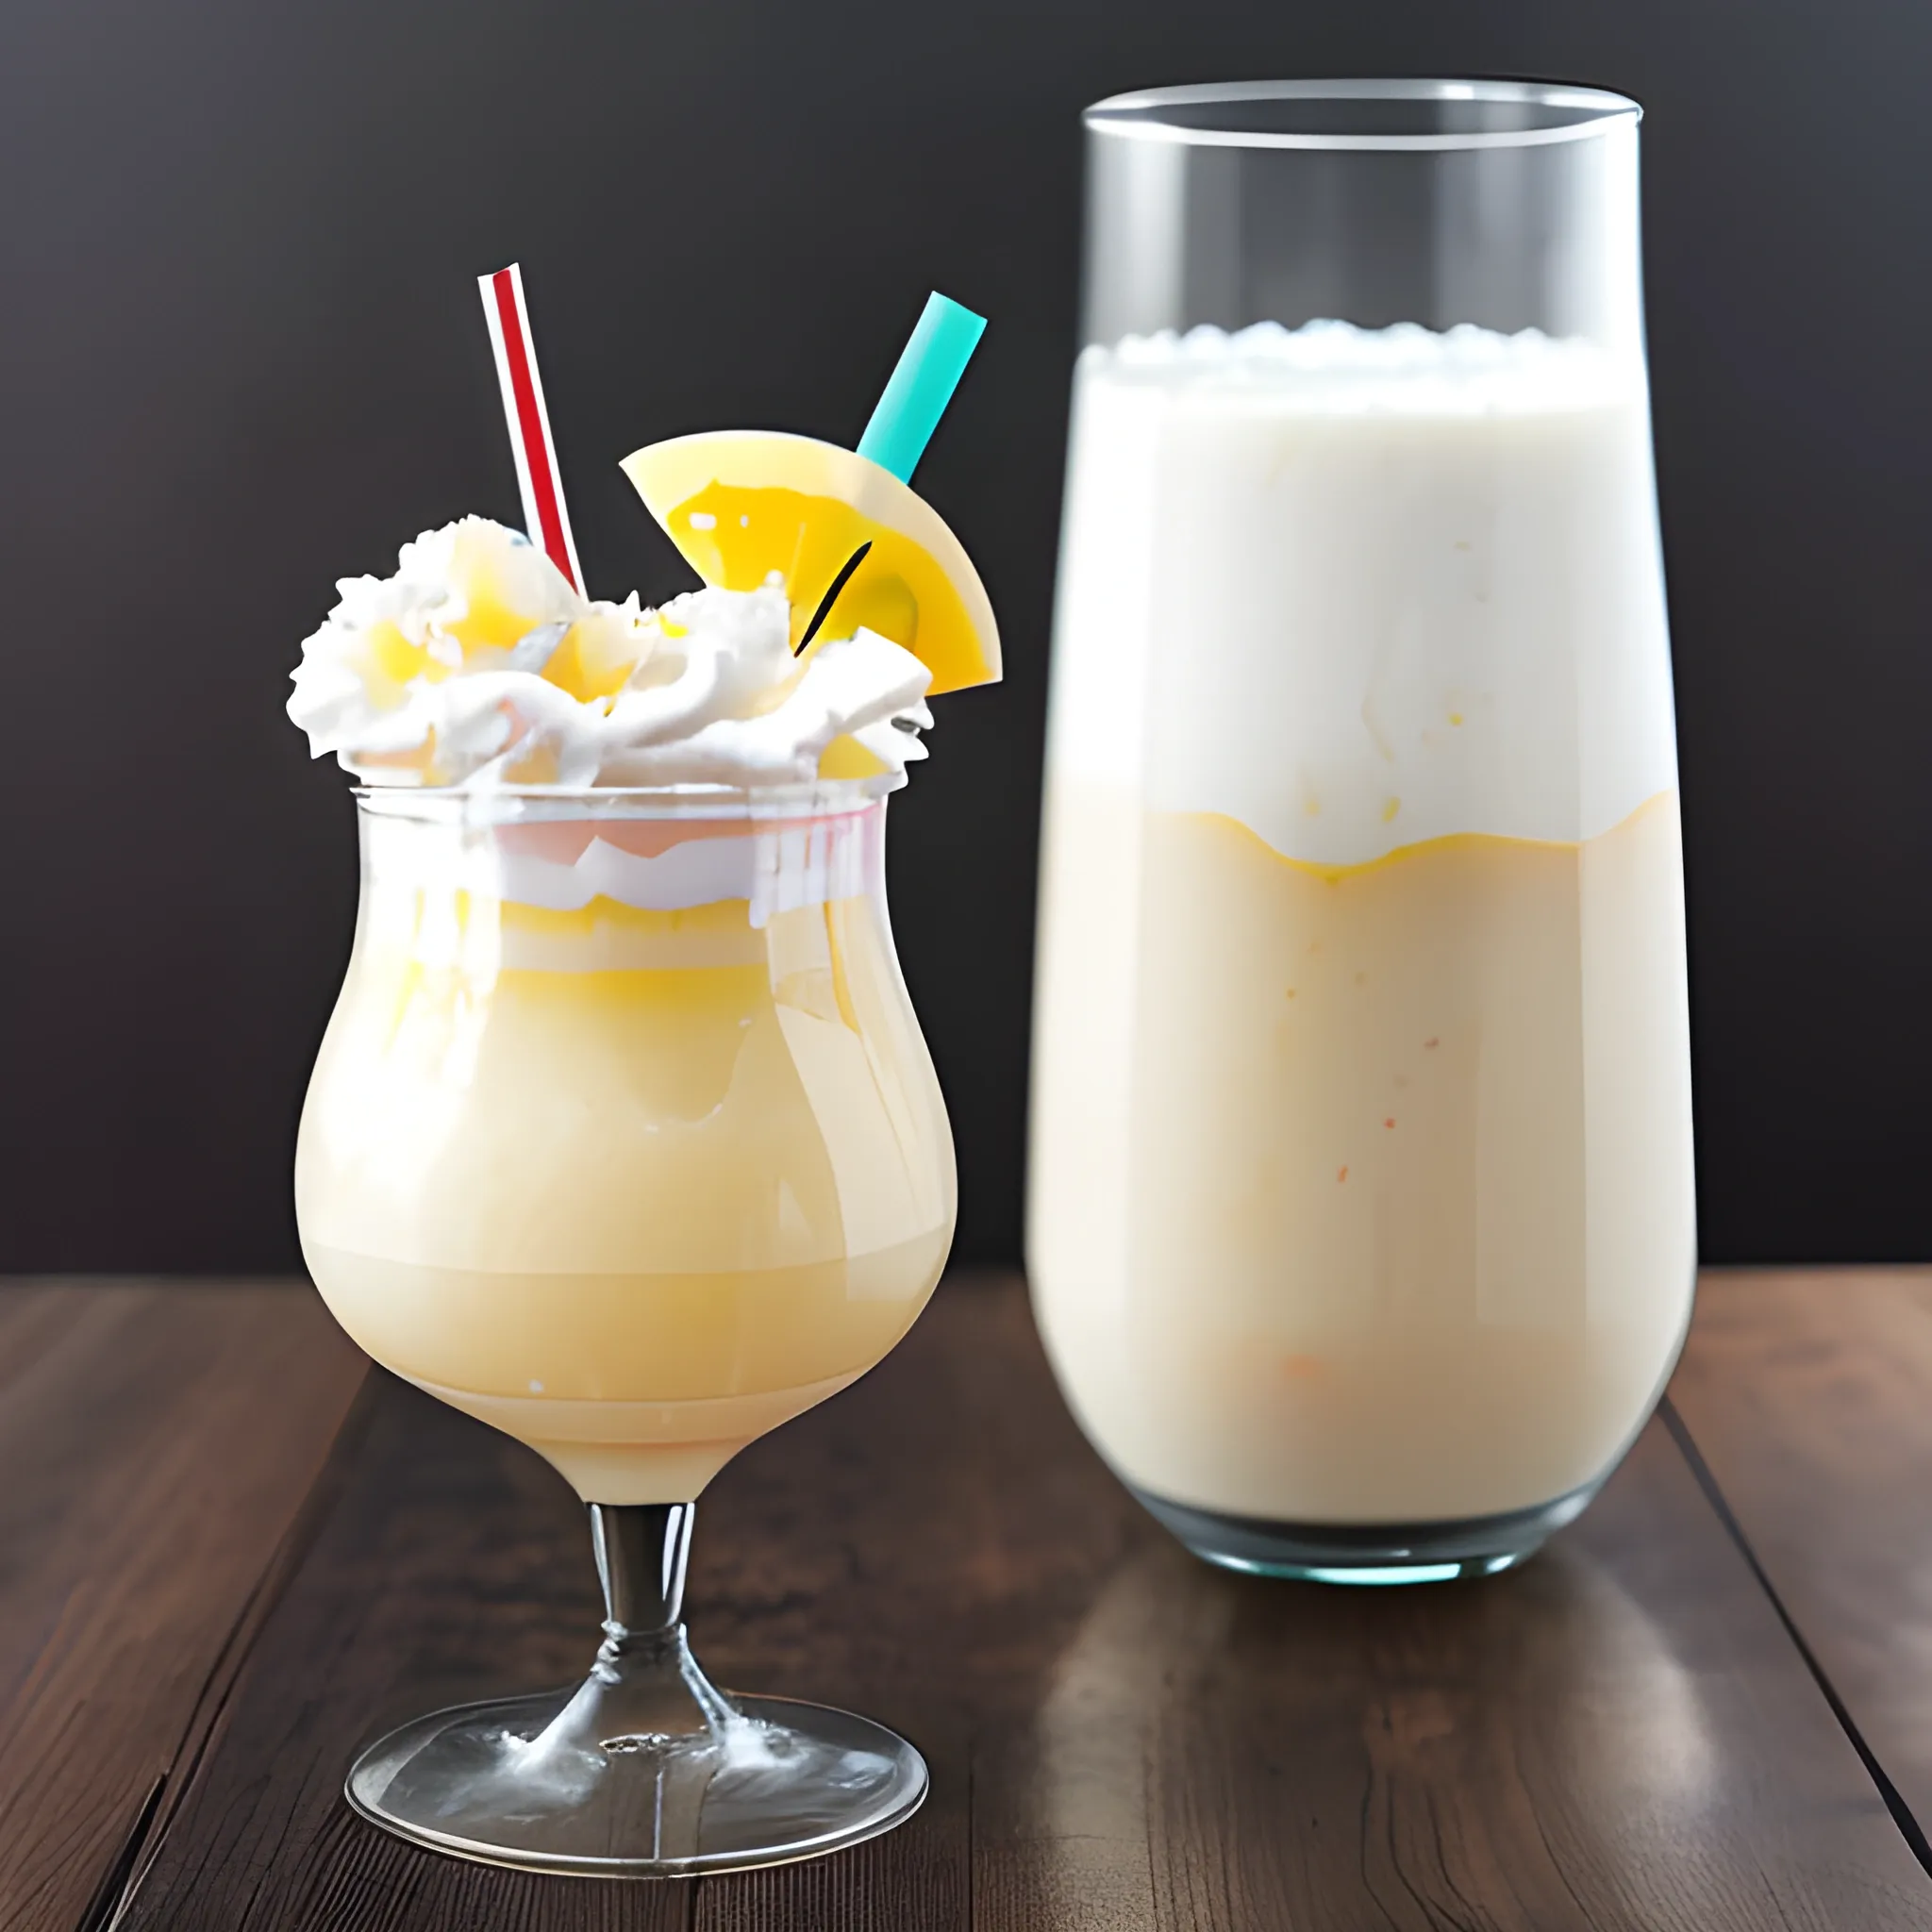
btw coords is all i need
(1908, 1826)
(148, 1833)
(117, 1881)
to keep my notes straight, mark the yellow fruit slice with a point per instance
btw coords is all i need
(741, 503)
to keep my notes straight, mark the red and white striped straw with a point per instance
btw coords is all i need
(545, 517)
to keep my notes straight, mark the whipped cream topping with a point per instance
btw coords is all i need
(478, 665)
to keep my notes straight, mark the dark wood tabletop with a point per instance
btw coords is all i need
(230, 1554)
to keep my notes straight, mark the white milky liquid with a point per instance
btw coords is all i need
(1360, 1152)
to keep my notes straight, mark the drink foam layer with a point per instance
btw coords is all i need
(1359, 588)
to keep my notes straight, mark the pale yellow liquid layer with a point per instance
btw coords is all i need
(1364, 1194)
(635, 1214)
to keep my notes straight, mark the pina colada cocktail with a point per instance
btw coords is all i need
(633, 1179)
(623, 1137)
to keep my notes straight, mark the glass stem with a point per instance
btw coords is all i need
(642, 1551)
(644, 1692)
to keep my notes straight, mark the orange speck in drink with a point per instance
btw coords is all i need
(1430, 1045)
(1389, 1122)
(1341, 1174)
(1290, 992)
(1301, 1368)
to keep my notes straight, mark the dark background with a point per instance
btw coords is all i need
(244, 356)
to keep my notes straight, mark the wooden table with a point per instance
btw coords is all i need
(228, 1554)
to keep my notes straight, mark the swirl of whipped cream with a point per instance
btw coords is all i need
(476, 664)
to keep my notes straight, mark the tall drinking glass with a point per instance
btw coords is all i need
(623, 1139)
(1362, 1229)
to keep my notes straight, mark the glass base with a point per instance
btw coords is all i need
(769, 1782)
(645, 1769)
(1368, 1553)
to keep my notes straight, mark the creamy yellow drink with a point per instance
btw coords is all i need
(1362, 1192)
(622, 1136)
(635, 1183)
(1362, 1157)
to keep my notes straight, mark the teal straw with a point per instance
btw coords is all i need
(922, 385)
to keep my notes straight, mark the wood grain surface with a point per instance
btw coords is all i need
(1808, 1398)
(1624, 1734)
(156, 1448)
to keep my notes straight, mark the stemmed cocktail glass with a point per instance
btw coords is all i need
(624, 1139)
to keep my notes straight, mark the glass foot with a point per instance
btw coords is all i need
(777, 1781)
(1368, 1553)
(645, 1769)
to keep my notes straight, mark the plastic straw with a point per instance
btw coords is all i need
(546, 519)
(922, 385)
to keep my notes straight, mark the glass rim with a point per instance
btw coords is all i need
(514, 803)
(1138, 115)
